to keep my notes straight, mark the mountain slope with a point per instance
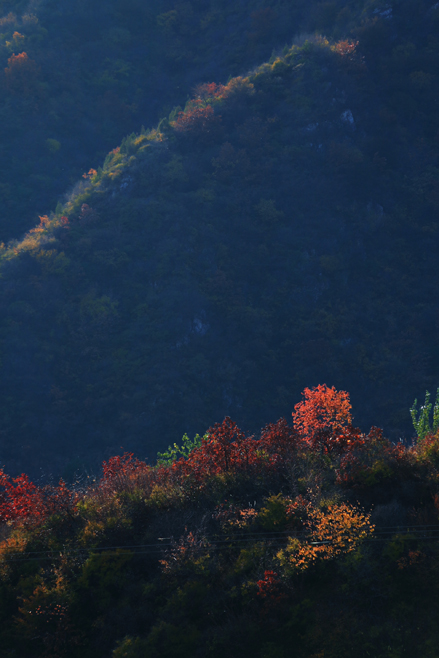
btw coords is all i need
(77, 76)
(316, 540)
(280, 232)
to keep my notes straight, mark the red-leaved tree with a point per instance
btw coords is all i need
(22, 499)
(323, 410)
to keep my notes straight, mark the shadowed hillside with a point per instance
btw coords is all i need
(306, 540)
(76, 77)
(281, 229)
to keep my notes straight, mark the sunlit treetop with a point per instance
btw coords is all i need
(323, 408)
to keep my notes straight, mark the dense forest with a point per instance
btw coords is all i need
(313, 540)
(277, 231)
(206, 207)
(77, 76)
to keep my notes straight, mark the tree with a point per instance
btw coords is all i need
(322, 409)
(22, 74)
(421, 423)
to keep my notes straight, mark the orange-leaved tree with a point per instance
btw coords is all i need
(345, 48)
(21, 74)
(331, 533)
(197, 121)
(323, 409)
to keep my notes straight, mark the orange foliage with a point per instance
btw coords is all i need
(413, 558)
(21, 74)
(209, 90)
(231, 516)
(321, 423)
(198, 121)
(346, 48)
(91, 173)
(322, 409)
(332, 533)
(44, 222)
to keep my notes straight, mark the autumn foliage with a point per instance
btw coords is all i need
(19, 497)
(332, 532)
(21, 74)
(209, 91)
(120, 465)
(198, 120)
(346, 48)
(322, 423)
(323, 409)
(270, 588)
(22, 499)
(371, 459)
(230, 519)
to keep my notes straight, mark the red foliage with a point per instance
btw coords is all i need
(120, 465)
(278, 440)
(20, 498)
(322, 423)
(58, 499)
(269, 588)
(323, 409)
(209, 90)
(227, 449)
(370, 459)
(297, 512)
(125, 471)
(197, 121)
(340, 441)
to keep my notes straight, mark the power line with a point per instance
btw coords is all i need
(383, 534)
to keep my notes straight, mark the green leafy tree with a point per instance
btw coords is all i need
(175, 452)
(421, 418)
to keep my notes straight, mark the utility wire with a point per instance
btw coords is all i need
(418, 533)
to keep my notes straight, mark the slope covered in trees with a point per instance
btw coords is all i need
(76, 77)
(307, 540)
(281, 229)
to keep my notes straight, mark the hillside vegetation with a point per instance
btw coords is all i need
(76, 77)
(281, 229)
(314, 540)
